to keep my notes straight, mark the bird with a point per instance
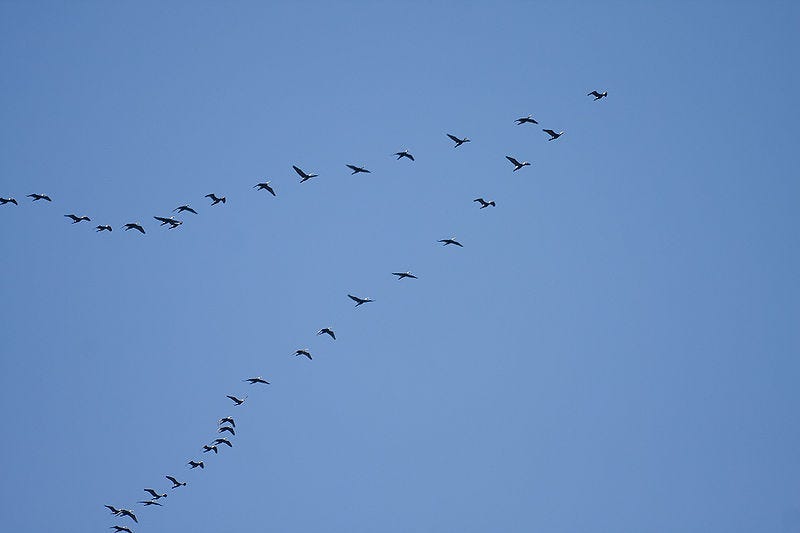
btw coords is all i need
(39, 197)
(258, 379)
(182, 208)
(458, 141)
(76, 218)
(303, 174)
(517, 164)
(597, 95)
(451, 240)
(265, 187)
(128, 513)
(113, 509)
(118, 529)
(175, 482)
(226, 428)
(356, 169)
(215, 199)
(329, 331)
(149, 502)
(237, 401)
(403, 154)
(171, 221)
(359, 301)
(483, 203)
(303, 352)
(155, 495)
(4, 201)
(226, 420)
(195, 464)
(104, 228)
(401, 275)
(223, 441)
(526, 120)
(553, 135)
(134, 225)
(207, 448)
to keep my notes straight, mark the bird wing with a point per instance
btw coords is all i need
(163, 219)
(353, 168)
(513, 161)
(138, 227)
(175, 481)
(550, 132)
(454, 138)
(354, 298)
(211, 196)
(300, 172)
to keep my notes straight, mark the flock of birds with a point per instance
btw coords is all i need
(227, 424)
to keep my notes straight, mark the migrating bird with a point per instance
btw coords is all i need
(597, 95)
(237, 401)
(401, 275)
(226, 428)
(526, 120)
(517, 164)
(265, 187)
(328, 331)
(458, 141)
(149, 502)
(128, 513)
(182, 208)
(358, 300)
(134, 225)
(483, 203)
(226, 420)
(4, 201)
(207, 448)
(356, 169)
(303, 174)
(76, 218)
(253, 381)
(215, 199)
(118, 529)
(553, 135)
(303, 352)
(171, 221)
(195, 464)
(403, 154)
(175, 482)
(155, 495)
(39, 197)
(223, 441)
(113, 509)
(451, 240)
(104, 228)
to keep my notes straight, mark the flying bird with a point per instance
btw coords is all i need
(39, 197)
(215, 199)
(451, 240)
(358, 300)
(526, 120)
(226, 420)
(237, 401)
(195, 464)
(517, 164)
(207, 448)
(175, 482)
(171, 221)
(303, 352)
(4, 201)
(597, 95)
(458, 141)
(76, 218)
(147, 503)
(401, 275)
(134, 225)
(128, 513)
(403, 154)
(223, 441)
(265, 187)
(113, 509)
(553, 135)
(182, 208)
(118, 529)
(226, 428)
(483, 203)
(104, 228)
(155, 495)
(303, 174)
(253, 381)
(328, 331)
(356, 169)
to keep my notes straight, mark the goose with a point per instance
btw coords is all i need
(76, 218)
(147, 503)
(526, 120)
(597, 95)
(356, 169)
(175, 482)
(226, 442)
(517, 164)
(303, 352)
(226, 420)
(401, 275)
(303, 174)
(4, 201)
(207, 448)
(237, 401)
(451, 240)
(171, 221)
(553, 135)
(229, 429)
(484, 203)
(155, 495)
(359, 301)
(403, 154)
(215, 199)
(258, 379)
(182, 208)
(327, 331)
(265, 187)
(104, 228)
(113, 509)
(118, 529)
(128, 513)
(39, 197)
(195, 464)
(134, 225)
(458, 141)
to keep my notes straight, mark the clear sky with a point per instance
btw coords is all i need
(614, 349)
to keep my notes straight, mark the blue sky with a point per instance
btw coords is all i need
(614, 349)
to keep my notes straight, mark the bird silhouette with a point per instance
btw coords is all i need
(155, 495)
(304, 352)
(303, 175)
(113, 509)
(403, 154)
(182, 208)
(227, 420)
(517, 164)
(357, 169)
(226, 442)
(175, 482)
(451, 240)
(119, 529)
(195, 464)
(207, 448)
(265, 187)
(483, 203)
(104, 228)
(597, 95)
(147, 503)
(237, 401)
(4, 201)
(401, 275)
(134, 225)
(258, 379)
(76, 218)
(229, 429)
(553, 135)
(359, 301)
(458, 141)
(327, 331)
(526, 120)
(39, 197)
(215, 199)
(129, 514)
(171, 221)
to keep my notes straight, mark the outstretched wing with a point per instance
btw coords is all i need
(513, 161)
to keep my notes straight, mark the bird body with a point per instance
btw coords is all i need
(147, 503)
(129, 514)
(265, 186)
(229, 429)
(104, 228)
(553, 135)
(215, 199)
(175, 482)
(305, 176)
(4, 201)
(212, 448)
(258, 379)
(451, 240)
(119, 529)
(226, 442)
(458, 141)
(134, 225)
(526, 120)
(401, 275)
(597, 95)
(357, 169)
(359, 301)
(76, 218)
(182, 208)
(227, 420)
(39, 197)
(171, 221)
(304, 352)
(483, 203)
(517, 164)
(195, 464)
(405, 154)
(327, 331)
(237, 401)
